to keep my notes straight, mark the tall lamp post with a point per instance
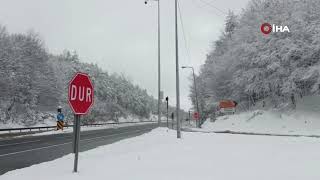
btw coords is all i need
(195, 89)
(177, 72)
(159, 87)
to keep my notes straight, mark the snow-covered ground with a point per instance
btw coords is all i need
(302, 121)
(266, 122)
(158, 155)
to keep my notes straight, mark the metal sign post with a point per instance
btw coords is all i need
(167, 99)
(76, 135)
(172, 117)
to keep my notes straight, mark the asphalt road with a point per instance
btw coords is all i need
(22, 152)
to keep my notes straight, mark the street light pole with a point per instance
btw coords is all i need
(159, 72)
(197, 102)
(177, 72)
(159, 78)
(196, 93)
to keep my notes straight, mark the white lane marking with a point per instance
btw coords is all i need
(19, 143)
(18, 152)
(47, 147)
(112, 135)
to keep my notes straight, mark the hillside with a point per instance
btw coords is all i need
(34, 83)
(246, 65)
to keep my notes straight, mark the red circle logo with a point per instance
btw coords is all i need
(266, 28)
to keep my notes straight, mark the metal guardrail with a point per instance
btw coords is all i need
(54, 127)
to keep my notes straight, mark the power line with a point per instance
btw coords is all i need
(210, 10)
(212, 6)
(184, 34)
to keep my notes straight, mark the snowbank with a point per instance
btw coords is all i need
(158, 155)
(303, 121)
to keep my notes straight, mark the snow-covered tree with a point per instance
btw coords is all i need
(245, 64)
(34, 83)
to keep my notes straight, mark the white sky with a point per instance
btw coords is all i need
(121, 35)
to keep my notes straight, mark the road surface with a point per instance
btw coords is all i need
(23, 152)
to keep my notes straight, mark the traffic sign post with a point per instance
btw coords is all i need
(80, 97)
(76, 142)
(167, 100)
(60, 120)
(172, 117)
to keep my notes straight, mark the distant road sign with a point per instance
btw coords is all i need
(196, 115)
(227, 106)
(161, 95)
(80, 94)
(60, 117)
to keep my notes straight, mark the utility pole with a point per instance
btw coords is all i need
(197, 102)
(177, 72)
(159, 79)
(198, 123)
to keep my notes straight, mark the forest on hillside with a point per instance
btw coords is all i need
(247, 66)
(34, 83)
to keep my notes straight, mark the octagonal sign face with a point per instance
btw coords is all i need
(196, 115)
(80, 93)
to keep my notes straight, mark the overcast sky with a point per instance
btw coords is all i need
(121, 35)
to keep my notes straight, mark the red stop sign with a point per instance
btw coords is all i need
(80, 94)
(196, 115)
